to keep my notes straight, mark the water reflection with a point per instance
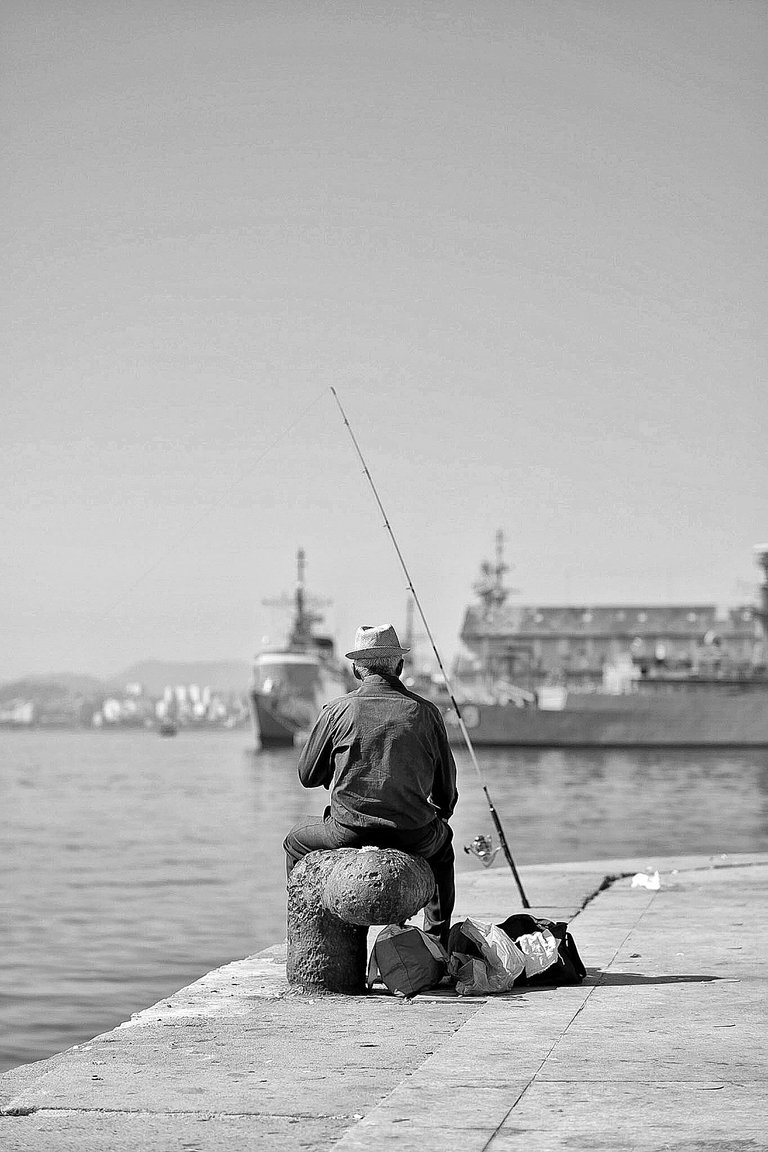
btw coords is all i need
(574, 805)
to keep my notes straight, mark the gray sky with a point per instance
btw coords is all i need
(524, 240)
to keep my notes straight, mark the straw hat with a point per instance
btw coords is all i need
(378, 640)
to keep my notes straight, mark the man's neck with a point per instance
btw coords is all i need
(387, 677)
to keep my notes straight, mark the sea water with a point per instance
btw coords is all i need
(130, 864)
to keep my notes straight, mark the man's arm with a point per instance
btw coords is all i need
(316, 760)
(444, 792)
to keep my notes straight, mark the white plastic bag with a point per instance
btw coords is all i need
(502, 961)
(539, 950)
(646, 880)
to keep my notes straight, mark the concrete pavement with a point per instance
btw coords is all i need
(664, 1046)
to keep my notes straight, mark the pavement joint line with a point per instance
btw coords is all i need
(720, 867)
(85, 1111)
(705, 1085)
(660, 1084)
(515, 1100)
(604, 971)
(612, 878)
(506, 1116)
(608, 883)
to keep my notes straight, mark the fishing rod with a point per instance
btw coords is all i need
(455, 706)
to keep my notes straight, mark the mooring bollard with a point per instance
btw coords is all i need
(333, 898)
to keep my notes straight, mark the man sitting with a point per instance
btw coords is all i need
(384, 753)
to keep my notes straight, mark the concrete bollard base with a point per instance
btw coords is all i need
(333, 897)
(324, 954)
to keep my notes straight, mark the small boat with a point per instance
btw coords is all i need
(291, 683)
(167, 727)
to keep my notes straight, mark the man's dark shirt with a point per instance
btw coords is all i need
(386, 753)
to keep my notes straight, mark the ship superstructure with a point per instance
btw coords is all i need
(619, 675)
(291, 683)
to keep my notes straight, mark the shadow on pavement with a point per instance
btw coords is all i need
(617, 979)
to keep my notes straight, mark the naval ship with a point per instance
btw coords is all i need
(619, 676)
(291, 683)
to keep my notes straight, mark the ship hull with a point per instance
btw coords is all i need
(597, 720)
(270, 729)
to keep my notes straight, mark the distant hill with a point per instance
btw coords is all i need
(222, 675)
(51, 687)
(154, 675)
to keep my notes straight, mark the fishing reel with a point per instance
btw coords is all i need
(482, 847)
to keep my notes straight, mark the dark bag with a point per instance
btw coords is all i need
(567, 969)
(407, 960)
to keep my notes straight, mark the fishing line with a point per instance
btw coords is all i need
(208, 513)
(457, 710)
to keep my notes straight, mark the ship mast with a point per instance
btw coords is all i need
(490, 588)
(761, 555)
(301, 633)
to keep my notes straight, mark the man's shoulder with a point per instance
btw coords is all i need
(338, 704)
(332, 713)
(429, 706)
(394, 690)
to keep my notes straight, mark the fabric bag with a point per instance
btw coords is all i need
(533, 936)
(482, 958)
(407, 960)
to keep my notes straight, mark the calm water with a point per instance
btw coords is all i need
(130, 865)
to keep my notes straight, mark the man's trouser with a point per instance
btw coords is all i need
(434, 843)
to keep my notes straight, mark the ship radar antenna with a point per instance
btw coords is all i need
(491, 588)
(304, 607)
(761, 556)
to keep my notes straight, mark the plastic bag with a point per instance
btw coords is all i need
(568, 967)
(650, 880)
(540, 950)
(482, 958)
(472, 976)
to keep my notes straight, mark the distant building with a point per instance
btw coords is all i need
(525, 642)
(515, 640)
(15, 713)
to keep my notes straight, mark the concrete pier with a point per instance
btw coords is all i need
(664, 1046)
